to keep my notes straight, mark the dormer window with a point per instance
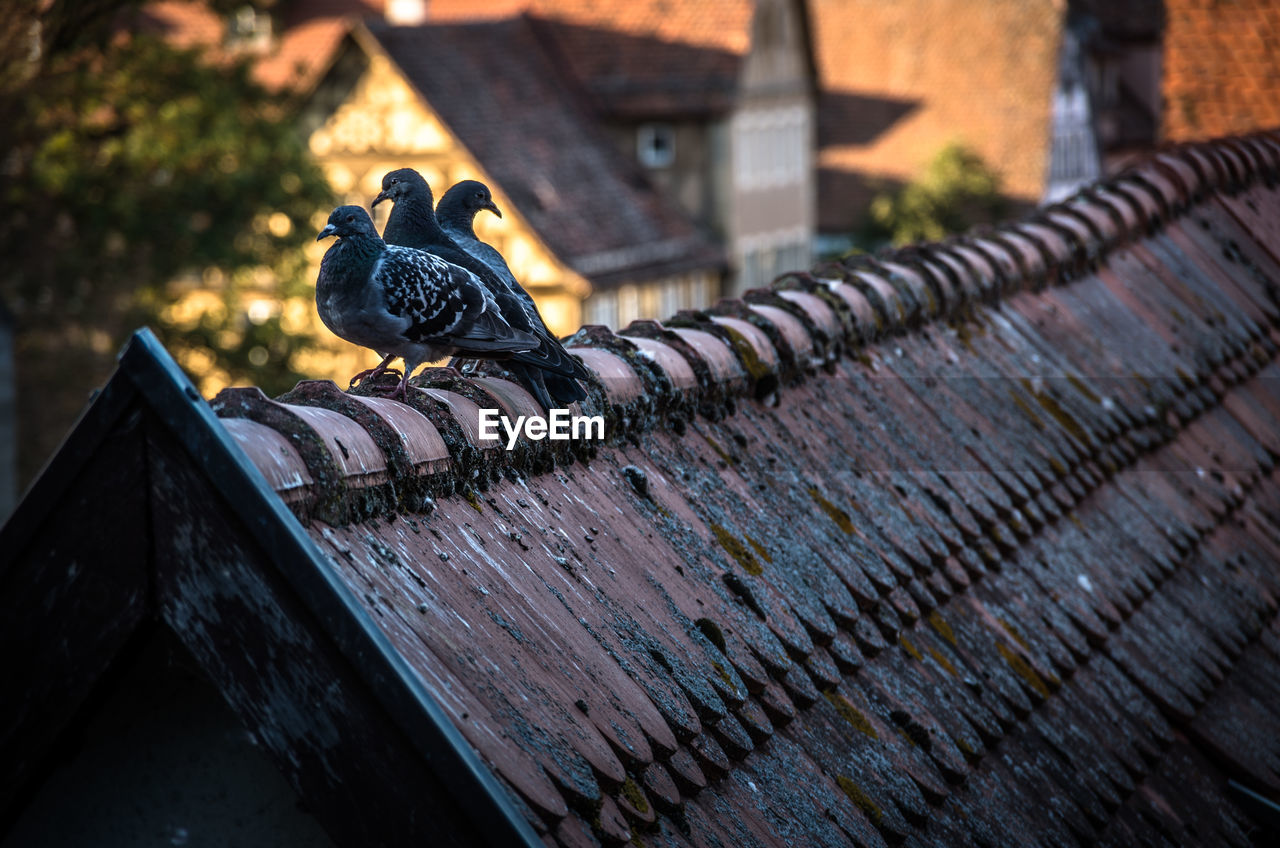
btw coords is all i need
(656, 145)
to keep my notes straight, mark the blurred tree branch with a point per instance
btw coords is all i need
(132, 174)
(957, 191)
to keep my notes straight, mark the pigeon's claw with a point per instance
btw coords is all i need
(401, 392)
(373, 373)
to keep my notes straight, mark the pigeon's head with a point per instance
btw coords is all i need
(348, 221)
(402, 183)
(470, 196)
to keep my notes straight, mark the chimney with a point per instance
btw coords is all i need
(406, 12)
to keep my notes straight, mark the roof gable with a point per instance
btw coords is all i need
(232, 573)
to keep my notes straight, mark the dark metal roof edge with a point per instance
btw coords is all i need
(475, 789)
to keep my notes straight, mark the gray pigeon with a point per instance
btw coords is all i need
(405, 302)
(547, 372)
(456, 212)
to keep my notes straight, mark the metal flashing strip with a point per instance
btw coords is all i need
(448, 754)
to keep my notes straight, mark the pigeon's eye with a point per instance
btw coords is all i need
(351, 219)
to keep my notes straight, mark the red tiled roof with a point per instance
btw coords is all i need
(639, 58)
(1221, 67)
(970, 543)
(651, 57)
(501, 94)
(723, 25)
(642, 57)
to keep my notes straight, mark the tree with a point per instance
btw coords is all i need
(135, 173)
(957, 191)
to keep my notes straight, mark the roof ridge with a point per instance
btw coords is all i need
(699, 363)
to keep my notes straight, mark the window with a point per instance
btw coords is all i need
(771, 147)
(656, 145)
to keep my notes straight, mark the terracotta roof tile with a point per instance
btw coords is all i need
(1220, 70)
(1002, 574)
(307, 35)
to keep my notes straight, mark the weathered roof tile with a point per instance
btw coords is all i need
(1003, 577)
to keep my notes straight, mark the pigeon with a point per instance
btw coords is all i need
(405, 302)
(547, 373)
(456, 212)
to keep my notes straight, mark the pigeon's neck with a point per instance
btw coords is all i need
(413, 223)
(348, 264)
(458, 221)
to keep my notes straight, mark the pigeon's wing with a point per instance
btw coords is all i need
(487, 333)
(521, 312)
(445, 304)
(563, 389)
(490, 257)
(563, 363)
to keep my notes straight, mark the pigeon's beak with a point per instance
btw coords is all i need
(329, 230)
(493, 207)
(382, 195)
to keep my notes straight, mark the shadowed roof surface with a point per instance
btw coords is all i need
(638, 58)
(970, 543)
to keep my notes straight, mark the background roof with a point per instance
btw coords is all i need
(498, 90)
(1221, 67)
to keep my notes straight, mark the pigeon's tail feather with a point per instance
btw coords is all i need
(551, 357)
(564, 389)
(539, 359)
(532, 379)
(580, 371)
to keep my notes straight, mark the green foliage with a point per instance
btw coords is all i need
(957, 191)
(132, 173)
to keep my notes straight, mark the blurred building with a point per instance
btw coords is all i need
(715, 108)
(714, 100)
(647, 156)
(1046, 92)
(1221, 68)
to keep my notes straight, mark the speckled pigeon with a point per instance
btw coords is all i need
(405, 302)
(548, 372)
